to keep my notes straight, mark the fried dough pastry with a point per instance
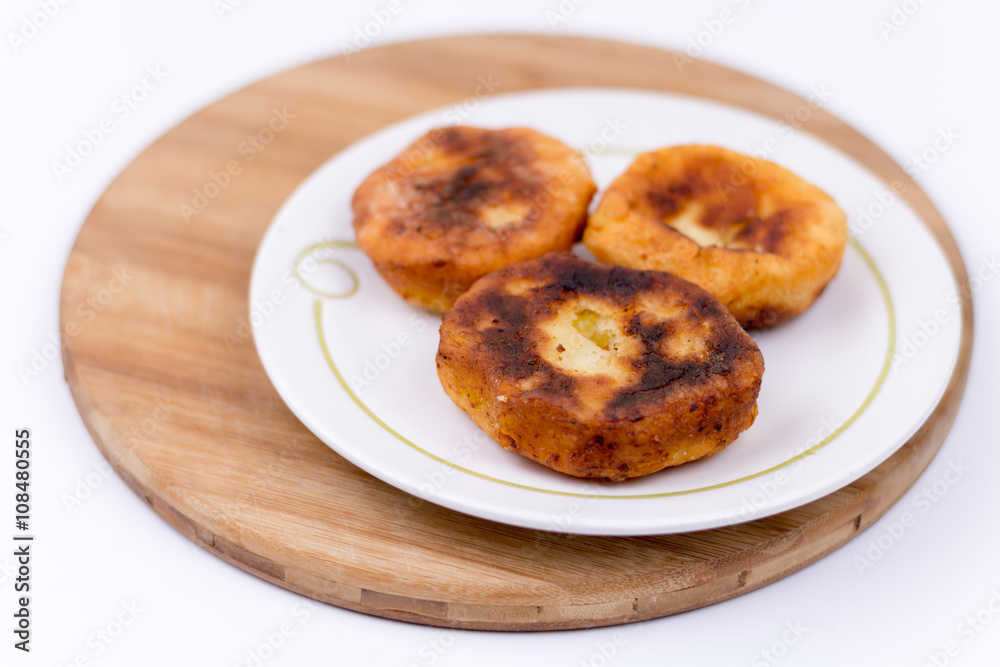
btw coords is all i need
(461, 202)
(597, 370)
(755, 235)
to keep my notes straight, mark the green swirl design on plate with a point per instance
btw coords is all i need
(297, 268)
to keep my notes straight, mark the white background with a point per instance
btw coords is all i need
(110, 554)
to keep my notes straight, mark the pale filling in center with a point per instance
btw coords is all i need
(583, 340)
(588, 339)
(688, 223)
(498, 216)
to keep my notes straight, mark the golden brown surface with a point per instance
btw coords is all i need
(752, 233)
(463, 201)
(598, 370)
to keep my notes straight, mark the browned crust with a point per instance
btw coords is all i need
(782, 239)
(651, 409)
(429, 218)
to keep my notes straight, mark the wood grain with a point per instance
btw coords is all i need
(178, 402)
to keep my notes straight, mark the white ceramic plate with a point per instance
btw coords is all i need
(845, 385)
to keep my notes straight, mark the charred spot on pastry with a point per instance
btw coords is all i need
(755, 235)
(461, 202)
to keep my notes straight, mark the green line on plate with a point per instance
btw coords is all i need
(318, 313)
(879, 381)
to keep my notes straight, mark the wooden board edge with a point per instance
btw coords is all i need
(788, 553)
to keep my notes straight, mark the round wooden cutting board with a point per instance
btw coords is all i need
(167, 379)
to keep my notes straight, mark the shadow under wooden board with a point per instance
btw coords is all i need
(171, 389)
